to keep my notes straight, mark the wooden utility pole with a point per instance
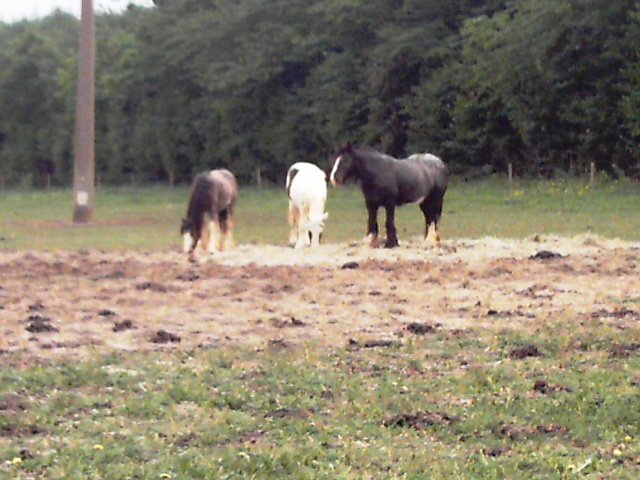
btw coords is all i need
(84, 162)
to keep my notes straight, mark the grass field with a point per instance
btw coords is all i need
(148, 218)
(537, 390)
(435, 407)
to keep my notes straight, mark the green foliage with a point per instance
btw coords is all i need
(631, 100)
(191, 84)
(34, 111)
(553, 101)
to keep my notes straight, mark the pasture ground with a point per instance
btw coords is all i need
(484, 358)
(337, 291)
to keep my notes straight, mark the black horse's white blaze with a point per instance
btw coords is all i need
(389, 182)
(336, 166)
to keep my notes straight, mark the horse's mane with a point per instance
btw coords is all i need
(199, 194)
(370, 152)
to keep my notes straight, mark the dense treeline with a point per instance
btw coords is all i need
(546, 85)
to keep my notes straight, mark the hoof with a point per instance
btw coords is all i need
(372, 241)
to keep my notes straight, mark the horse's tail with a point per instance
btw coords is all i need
(291, 174)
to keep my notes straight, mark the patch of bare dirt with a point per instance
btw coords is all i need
(519, 353)
(544, 387)
(419, 420)
(82, 302)
(13, 430)
(418, 328)
(162, 336)
(290, 413)
(517, 432)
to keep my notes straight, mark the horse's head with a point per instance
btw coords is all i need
(314, 228)
(344, 166)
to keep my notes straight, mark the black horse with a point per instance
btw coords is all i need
(213, 197)
(390, 182)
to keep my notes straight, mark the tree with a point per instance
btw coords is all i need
(630, 103)
(193, 84)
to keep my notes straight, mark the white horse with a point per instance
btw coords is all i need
(307, 191)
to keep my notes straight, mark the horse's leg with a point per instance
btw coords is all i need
(431, 208)
(205, 237)
(431, 237)
(225, 222)
(216, 239)
(303, 220)
(428, 222)
(438, 201)
(390, 225)
(192, 250)
(372, 225)
(196, 236)
(194, 243)
(229, 240)
(294, 222)
(214, 234)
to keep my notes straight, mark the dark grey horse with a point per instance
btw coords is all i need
(213, 198)
(389, 182)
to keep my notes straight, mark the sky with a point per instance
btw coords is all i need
(15, 10)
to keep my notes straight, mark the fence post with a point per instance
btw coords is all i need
(259, 178)
(592, 173)
(510, 170)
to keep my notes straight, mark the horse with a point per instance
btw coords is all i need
(213, 197)
(306, 186)
(390, 182)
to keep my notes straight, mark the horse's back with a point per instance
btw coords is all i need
(224, 185)
(309, 179)
(434, 167)
(213, 191)
(224, 176)
(307, 168)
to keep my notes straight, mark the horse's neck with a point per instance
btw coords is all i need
(374, 165)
